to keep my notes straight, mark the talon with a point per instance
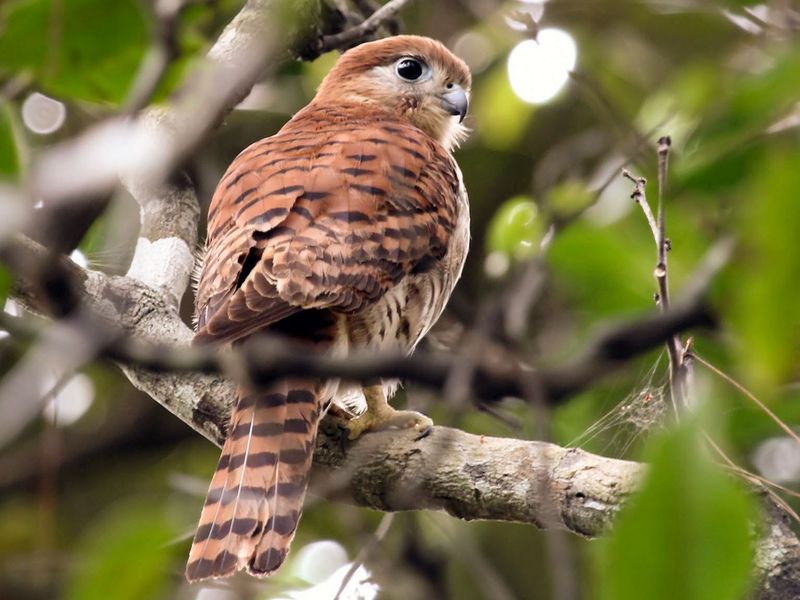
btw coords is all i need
(342, 437)
(380, 416)
(337, 428)
(425, 432)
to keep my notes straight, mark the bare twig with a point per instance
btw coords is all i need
(658, 229)
(640, 198)
(367, 549)
(522, 295)
(266, 358)
(663, 245)
(370, 25)
(664, 144)
(752, 397)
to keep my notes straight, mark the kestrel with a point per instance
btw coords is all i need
(347, 229)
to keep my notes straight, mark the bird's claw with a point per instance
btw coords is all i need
(389, 419)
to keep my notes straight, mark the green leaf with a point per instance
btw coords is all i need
(764, 309)
(722, 152)
(686, 534)
(9, 160)
(516, 228)
(80, 49)
(125, 555)
(5, 284)
(568, 198)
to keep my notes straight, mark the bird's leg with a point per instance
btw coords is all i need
(379, 416)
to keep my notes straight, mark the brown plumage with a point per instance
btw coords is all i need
(346, 229)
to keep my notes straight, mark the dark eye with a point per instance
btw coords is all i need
(410, 69)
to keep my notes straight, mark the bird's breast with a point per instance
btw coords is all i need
(407, 311)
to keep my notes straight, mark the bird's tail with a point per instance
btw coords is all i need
(256, 495)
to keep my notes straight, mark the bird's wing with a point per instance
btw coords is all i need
(328, 213)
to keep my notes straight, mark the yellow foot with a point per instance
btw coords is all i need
(379, 416)
(388, 418)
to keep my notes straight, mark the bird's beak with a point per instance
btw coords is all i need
(455, 102)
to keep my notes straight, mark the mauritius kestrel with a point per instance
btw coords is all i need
(346, 230)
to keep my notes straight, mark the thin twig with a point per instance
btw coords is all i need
(761, 479)
(640, 198)
(370, 25)
(658, 229)
(522, 295)
(664, 144)
(752, 397)
(753, 478)
(662, 243)
(366, 549)
(265, 358)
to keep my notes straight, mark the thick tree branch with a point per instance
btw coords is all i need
(477, 477)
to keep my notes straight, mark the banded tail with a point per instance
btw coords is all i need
(256, 495)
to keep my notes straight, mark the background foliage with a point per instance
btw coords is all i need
(103, 507)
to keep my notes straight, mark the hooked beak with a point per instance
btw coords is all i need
(455, 102)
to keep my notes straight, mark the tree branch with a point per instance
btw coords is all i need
(370, 25)
(151, 342)
(477, 477)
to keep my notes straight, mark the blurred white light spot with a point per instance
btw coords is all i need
(218, 593)
(42, 114)
(475, 49)
(79, 258)
(359, 587)
(742, 22)
(496, 264)
(325, 564)
(615, 201)
(317, 561)
(71, 402)
(791, 120)
(13, 209)
(778, 459)
(12, 309)
(261, 97)
(538, 69)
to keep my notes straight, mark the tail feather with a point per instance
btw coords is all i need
(256, 495)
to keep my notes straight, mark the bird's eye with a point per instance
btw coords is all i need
(410, 69)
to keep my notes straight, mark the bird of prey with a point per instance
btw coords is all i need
(346, 230)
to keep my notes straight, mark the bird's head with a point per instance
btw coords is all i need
(413, 77)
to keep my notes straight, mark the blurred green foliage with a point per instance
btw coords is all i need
(131, 478)
(516, 228)
(770, 266)
(687, 534)
(5, 284)
(9, 161)
(80, 49)
(122, 555)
